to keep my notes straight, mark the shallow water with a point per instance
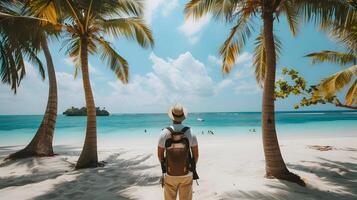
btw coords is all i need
(19, 129)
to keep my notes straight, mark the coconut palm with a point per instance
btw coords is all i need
(344, 33)
(14, 50)
(241, 14)
(87, 23)
(28, 40)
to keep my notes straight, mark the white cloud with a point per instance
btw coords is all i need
(32, 94)
(214, 60)
(244, 58)
(183, 79)
(243, 79)
(152, 7)
(243, 68)
(169, 6)
(247, 87)
(192, 28)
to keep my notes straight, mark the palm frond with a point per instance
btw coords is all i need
(323, 12)
(339, 58)
(221, 9)
(198, 8)
(351, 95)
(236, 40)
(131, 27)
(259, 57)
(116, 63)
(331, 85)
(292, 15)
(259, 60)
(130, 7)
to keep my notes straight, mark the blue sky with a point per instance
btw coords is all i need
(184, 66)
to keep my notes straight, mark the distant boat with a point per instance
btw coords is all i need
(200, 119)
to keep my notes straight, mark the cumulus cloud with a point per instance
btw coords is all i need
(183, 79)
(152, 7)
(192, 28)
(243, 79)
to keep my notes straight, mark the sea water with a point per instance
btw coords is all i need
(19, 129)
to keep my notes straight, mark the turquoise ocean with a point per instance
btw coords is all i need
(19, 129)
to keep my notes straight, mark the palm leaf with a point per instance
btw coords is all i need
(331, 85)
(339, 58)
(292, 15)
(323, 12)
(236, 40)
(131, 27)
(198, 8)
(259, 58)
(222, 9)
(116, 63)
(351, 95)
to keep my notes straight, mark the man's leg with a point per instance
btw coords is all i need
(185, 188)
(170, 188)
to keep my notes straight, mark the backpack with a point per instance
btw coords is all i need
(178, 153)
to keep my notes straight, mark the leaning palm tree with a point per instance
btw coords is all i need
(344, 33)
(31, 38)
(87, 23)
(241, 14)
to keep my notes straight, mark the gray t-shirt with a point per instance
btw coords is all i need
(165, 134)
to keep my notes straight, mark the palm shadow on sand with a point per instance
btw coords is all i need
(96, 183)
(341, 175)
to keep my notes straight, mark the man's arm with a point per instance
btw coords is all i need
(160, 153)
(195, 154)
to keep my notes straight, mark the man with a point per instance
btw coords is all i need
(178, 154)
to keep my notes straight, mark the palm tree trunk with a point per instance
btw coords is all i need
(88, 157)
(275, 166)
(41, 144)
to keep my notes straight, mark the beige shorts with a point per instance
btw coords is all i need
(181, 185)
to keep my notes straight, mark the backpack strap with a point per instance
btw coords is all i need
(184, 129)
(170, 129)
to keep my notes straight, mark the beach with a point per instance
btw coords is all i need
(230, 167)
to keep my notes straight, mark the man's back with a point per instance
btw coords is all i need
(181, 149)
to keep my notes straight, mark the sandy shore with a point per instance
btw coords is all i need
(230, 167)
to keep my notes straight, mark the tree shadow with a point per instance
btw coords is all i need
(6, 150)
(340, 176)
(105, 182)
(36, 175)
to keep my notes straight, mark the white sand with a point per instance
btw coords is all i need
(230, 167)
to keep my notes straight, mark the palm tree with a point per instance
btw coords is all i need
(31, 38)
(13, 50)
(87, 22)
(345, 33)
(241, 14)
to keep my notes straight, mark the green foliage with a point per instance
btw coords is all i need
(91, 21)
(283, 89)
(17, 45)
(73, 111)
(313, 94)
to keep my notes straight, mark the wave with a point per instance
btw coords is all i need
(307, 113)
(349, 113)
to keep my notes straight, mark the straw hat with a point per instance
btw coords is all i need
(177, 113)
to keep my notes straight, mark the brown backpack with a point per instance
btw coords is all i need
(177, 153)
